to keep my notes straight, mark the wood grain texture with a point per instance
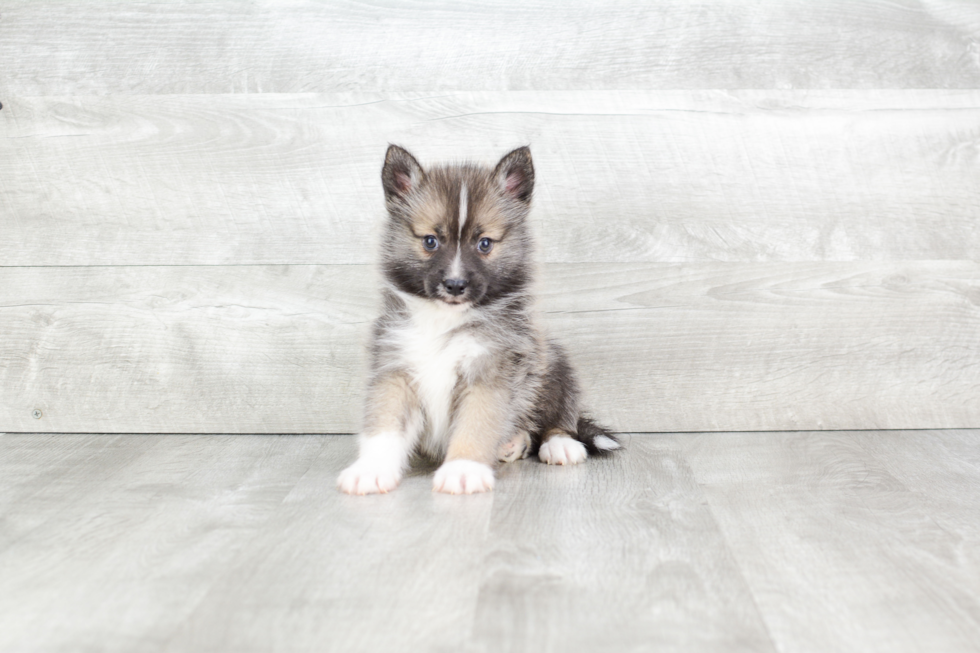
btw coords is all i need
(44, 474)
(186, 349)
(628, 176)
(165, 47)
(659, 347)
(332, 572)
(842, 554)
(711, 542)
(617, 554)
(126, 544)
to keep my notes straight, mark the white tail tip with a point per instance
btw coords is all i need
(605, 443)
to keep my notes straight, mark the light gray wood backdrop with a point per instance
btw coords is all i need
(750, 215)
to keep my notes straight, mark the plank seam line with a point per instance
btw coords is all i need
(347, 433)
(184, 265)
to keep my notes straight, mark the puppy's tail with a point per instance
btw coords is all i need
(598, 440)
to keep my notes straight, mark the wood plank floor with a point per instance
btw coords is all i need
(799, 541)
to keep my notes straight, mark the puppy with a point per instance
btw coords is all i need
(460, 371)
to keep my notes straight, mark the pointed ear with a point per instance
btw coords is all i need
(401, 173)
(515, 174)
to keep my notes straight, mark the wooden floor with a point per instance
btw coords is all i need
(800, 541)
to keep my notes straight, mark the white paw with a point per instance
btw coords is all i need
(562, 450)
(463, 477)
(369, 477)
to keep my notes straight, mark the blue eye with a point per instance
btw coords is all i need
(485, 245)
(430, 243)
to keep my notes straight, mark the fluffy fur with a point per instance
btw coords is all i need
(460, 372)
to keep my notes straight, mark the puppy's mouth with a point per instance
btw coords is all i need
(454, 301)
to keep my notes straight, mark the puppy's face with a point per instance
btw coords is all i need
(457, 234)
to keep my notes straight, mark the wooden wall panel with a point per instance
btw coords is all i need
(183, 349)
(660, 347)
(189, 203)
(83, 47)
(630, 176)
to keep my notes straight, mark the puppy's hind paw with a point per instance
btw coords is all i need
(463, 477)
(366, 477)
(516, 448)
(562, 450)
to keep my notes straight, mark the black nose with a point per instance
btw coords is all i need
(455, 286)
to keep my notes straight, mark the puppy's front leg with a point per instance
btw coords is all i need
(480, 424)
(392, 424)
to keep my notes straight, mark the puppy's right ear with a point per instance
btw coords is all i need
(401, 174)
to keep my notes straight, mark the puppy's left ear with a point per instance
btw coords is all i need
(515, 174)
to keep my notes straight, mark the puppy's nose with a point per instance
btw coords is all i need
(455, 286)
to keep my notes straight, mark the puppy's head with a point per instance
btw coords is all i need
(457, 234)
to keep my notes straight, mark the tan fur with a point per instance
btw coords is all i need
(429, 217)
(488, 221)
(392, 404)
(555, 433)
(480, 425)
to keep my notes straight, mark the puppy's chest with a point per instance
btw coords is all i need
(438, 358)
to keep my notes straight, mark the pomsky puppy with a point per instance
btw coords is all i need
(460, 371)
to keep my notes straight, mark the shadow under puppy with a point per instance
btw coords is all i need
(460, 371)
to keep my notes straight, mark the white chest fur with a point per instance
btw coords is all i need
(437, 354)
